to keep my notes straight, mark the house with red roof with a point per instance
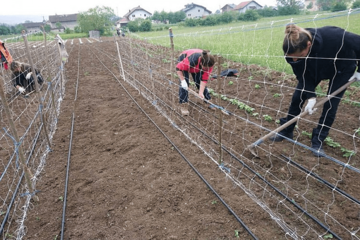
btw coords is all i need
(248, 5)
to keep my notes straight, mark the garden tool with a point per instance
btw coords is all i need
(301, 115)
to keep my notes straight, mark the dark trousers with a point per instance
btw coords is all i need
(183, 94)
(330, 107)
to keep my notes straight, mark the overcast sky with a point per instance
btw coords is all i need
(121, 7)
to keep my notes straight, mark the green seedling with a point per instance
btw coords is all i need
(267, 118)
(277, 121)
(250, 78)
(347, 152)
(61, 198)
(223, 97)
(305, 133)
(237, 233)
(231, 83)
(214, 202)
(357, 131)
(331, 142)
(328, 236)
(257, 86)
(276, 95)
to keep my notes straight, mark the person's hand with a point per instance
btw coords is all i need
(201, 95)
(21, 90)
(184, 84)
(28, 76)
(310, 106)
(356, 76)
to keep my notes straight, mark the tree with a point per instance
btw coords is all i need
(356, 4)
(4, 30)
(58, 25)
(98, 18)
(310, 5)
(133, 26)
(145, 26)
(289, 7)
(47, 28)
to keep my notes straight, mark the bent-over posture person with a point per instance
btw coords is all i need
(316, 54)
(22, 77)
(199, 63)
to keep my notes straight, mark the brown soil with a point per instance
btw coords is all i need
(130, 180)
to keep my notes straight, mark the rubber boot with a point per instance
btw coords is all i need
(317, 141)
(286, 132)
(184, 109)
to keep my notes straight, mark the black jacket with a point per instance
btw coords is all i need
(328, 43)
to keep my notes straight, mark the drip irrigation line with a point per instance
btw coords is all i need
(327, 229)
(177, 149)
(272, 186)
(331, 186)
(69, 154)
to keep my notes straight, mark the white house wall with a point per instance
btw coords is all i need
(139, 14)
(196, 12)
(250, 6)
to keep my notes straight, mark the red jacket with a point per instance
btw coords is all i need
(5, 56)
(189, 61)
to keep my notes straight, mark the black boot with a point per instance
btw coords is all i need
(317, 141)
(286, 132)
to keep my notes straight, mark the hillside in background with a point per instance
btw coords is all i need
(16, 19)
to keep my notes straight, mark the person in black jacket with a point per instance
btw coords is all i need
(317, 54)
(22, 77)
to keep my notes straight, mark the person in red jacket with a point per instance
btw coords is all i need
(199, 63)
(5, 56)
(316, 54)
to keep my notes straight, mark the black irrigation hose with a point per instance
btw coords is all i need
(194, 169)
(282, 194)
(69, 156)
(265, 181)
(320, 179)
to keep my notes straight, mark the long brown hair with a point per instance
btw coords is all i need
(206, 59)
(296, 39)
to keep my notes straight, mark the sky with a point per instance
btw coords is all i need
(121, 7)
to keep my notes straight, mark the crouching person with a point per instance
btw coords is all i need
(22, 77)
(199, 63)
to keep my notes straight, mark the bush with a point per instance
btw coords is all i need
(77, 29)
(340, 6)
(133, 26)
(356, 4)
(145, 26)
(67, 30)
(251, 15)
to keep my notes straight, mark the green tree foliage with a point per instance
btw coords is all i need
(310, 5)
(251, 15)
(67, 30)
(173, 17)
(133, 26)
(267, 12)
(289, 7)
(47, 28)
(4, 30)
(145, 26)
(77, 29)
(356, 4)
(339, 6)
(327, 5)
(98, 18)
(58, 25)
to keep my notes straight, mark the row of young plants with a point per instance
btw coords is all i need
(242, 106)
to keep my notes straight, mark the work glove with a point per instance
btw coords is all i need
(356, 76)
(184, 84)
(21, 90)
(310, 106)
(28, 76)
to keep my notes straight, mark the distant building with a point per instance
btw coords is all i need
(137, 12)
(228, 7)
(33, 27)
(66, 21)
(249, 5)
(195, 11)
